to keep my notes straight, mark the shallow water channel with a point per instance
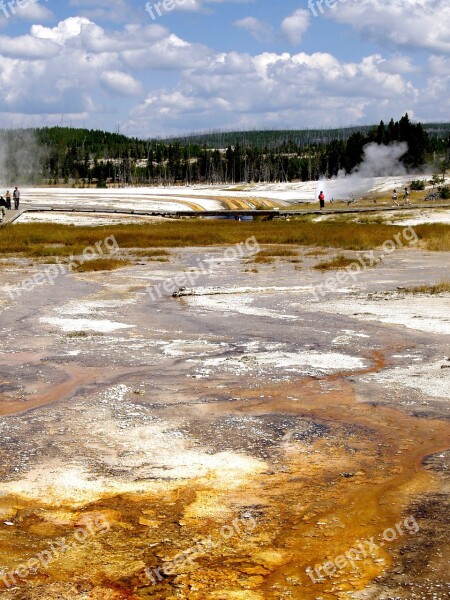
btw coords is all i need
(243, 442)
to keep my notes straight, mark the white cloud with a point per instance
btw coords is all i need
(258, 29)
(241, 90)
(121, 83)
(27, 46)
(294, 26)
(65, 30)
(437, 87)
(111, 10)
(398, 63)
(123, 10)
(80, 68)
(33, 11)
(404, 23)
(203, 4)
(168, 53)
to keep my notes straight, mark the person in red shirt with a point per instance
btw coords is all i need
(322, 200)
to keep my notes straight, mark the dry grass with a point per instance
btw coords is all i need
(261, 259)
(279, 251)
(76, 334)
(44, 239)
(435, 236)
(152, 253)
(8, 264)
(316, 253)
(437, 288)
(269, 255)
(102, 264)
(338, 262)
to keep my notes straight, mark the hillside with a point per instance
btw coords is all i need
(274, 138)
(61, 155)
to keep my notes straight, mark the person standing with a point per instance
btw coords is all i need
(16, 195)
(406, 196)
(8, 200)
(394, 198)
(322, 200)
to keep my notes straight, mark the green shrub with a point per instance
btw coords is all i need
(444, 192)
(417, 184)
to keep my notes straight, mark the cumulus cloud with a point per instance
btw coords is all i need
(294, 26)
(123, 10)
(121, 83)
(398, 63)
(30, 11)
(241, 90)
(110, 10)
(197, 5)
(51, 70)
(403, 23)
(65, 30)
(73, 66)
(168, 53)
(34, 11)
(27, 47)
(258, 29)
(170, 84)
(437, 87)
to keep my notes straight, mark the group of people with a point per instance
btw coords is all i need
(405, 197)
(394, 198)
(6, 201)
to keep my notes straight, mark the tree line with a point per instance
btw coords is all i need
(82, 156)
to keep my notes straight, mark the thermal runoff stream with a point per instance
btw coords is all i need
(238, 441)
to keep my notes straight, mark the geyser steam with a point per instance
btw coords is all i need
(21, 158)
(378, 161)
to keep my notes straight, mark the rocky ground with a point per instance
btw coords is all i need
(255, 442)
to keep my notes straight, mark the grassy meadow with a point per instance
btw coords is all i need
(51, 240)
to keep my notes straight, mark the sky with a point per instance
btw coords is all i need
(178, 66)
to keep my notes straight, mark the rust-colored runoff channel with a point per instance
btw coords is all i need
(75, 377)
(315, 500)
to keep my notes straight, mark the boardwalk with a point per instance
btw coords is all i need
(272, 213)
(12, 215)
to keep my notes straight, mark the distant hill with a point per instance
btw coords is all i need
(56, 155)
(274, 138)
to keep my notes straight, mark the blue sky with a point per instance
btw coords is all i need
(210, 64)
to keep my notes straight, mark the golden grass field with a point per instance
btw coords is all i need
(51, 240)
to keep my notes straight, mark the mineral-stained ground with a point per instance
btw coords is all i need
(244, 442)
